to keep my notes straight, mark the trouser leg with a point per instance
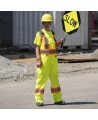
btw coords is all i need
(40, 85)
(41, 79)
(55, 86)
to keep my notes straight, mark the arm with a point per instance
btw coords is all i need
(38, 58)
(59, 43)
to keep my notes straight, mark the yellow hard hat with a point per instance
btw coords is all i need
(46, 18)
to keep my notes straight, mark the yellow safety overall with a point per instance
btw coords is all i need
(49, 68)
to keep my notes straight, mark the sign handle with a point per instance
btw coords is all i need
(63, 41)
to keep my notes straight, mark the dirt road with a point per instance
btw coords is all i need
(80, 91)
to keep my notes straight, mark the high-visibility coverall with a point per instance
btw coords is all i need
(49, 67)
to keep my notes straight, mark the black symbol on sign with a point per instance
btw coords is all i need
(70, 21)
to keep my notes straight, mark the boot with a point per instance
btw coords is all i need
(60, 103)
(39, 104)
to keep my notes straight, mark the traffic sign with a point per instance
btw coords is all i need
(71, 21)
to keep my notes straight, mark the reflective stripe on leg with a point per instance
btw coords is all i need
(39, 91)
(55, 90)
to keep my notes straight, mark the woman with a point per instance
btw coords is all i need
(47, 62)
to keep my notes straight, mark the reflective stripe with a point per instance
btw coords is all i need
(54, 90)
(46, 46)
(48, 51)
(39, 91)
(45, 40)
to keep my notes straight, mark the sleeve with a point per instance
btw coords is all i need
(37, 40)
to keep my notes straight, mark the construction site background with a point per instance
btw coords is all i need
(19, 63)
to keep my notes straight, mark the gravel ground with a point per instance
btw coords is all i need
(10, 70)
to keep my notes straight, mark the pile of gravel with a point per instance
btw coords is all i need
(11, 70)
(95, 53)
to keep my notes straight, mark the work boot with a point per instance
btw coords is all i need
(60, 103)
(39, 104)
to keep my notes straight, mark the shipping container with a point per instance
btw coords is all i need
(20, 28)
(6, 28)
(25, 26)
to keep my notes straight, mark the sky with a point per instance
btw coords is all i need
(48, 5)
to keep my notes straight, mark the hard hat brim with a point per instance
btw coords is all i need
(46, 21)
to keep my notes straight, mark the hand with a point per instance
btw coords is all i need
(39, 64)
(63, 40)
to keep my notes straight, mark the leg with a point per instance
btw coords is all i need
(55, 86)
(40, 85)
(42, 77)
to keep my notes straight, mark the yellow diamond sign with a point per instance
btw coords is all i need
(71, 21)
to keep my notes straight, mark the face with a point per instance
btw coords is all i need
(47, 25)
